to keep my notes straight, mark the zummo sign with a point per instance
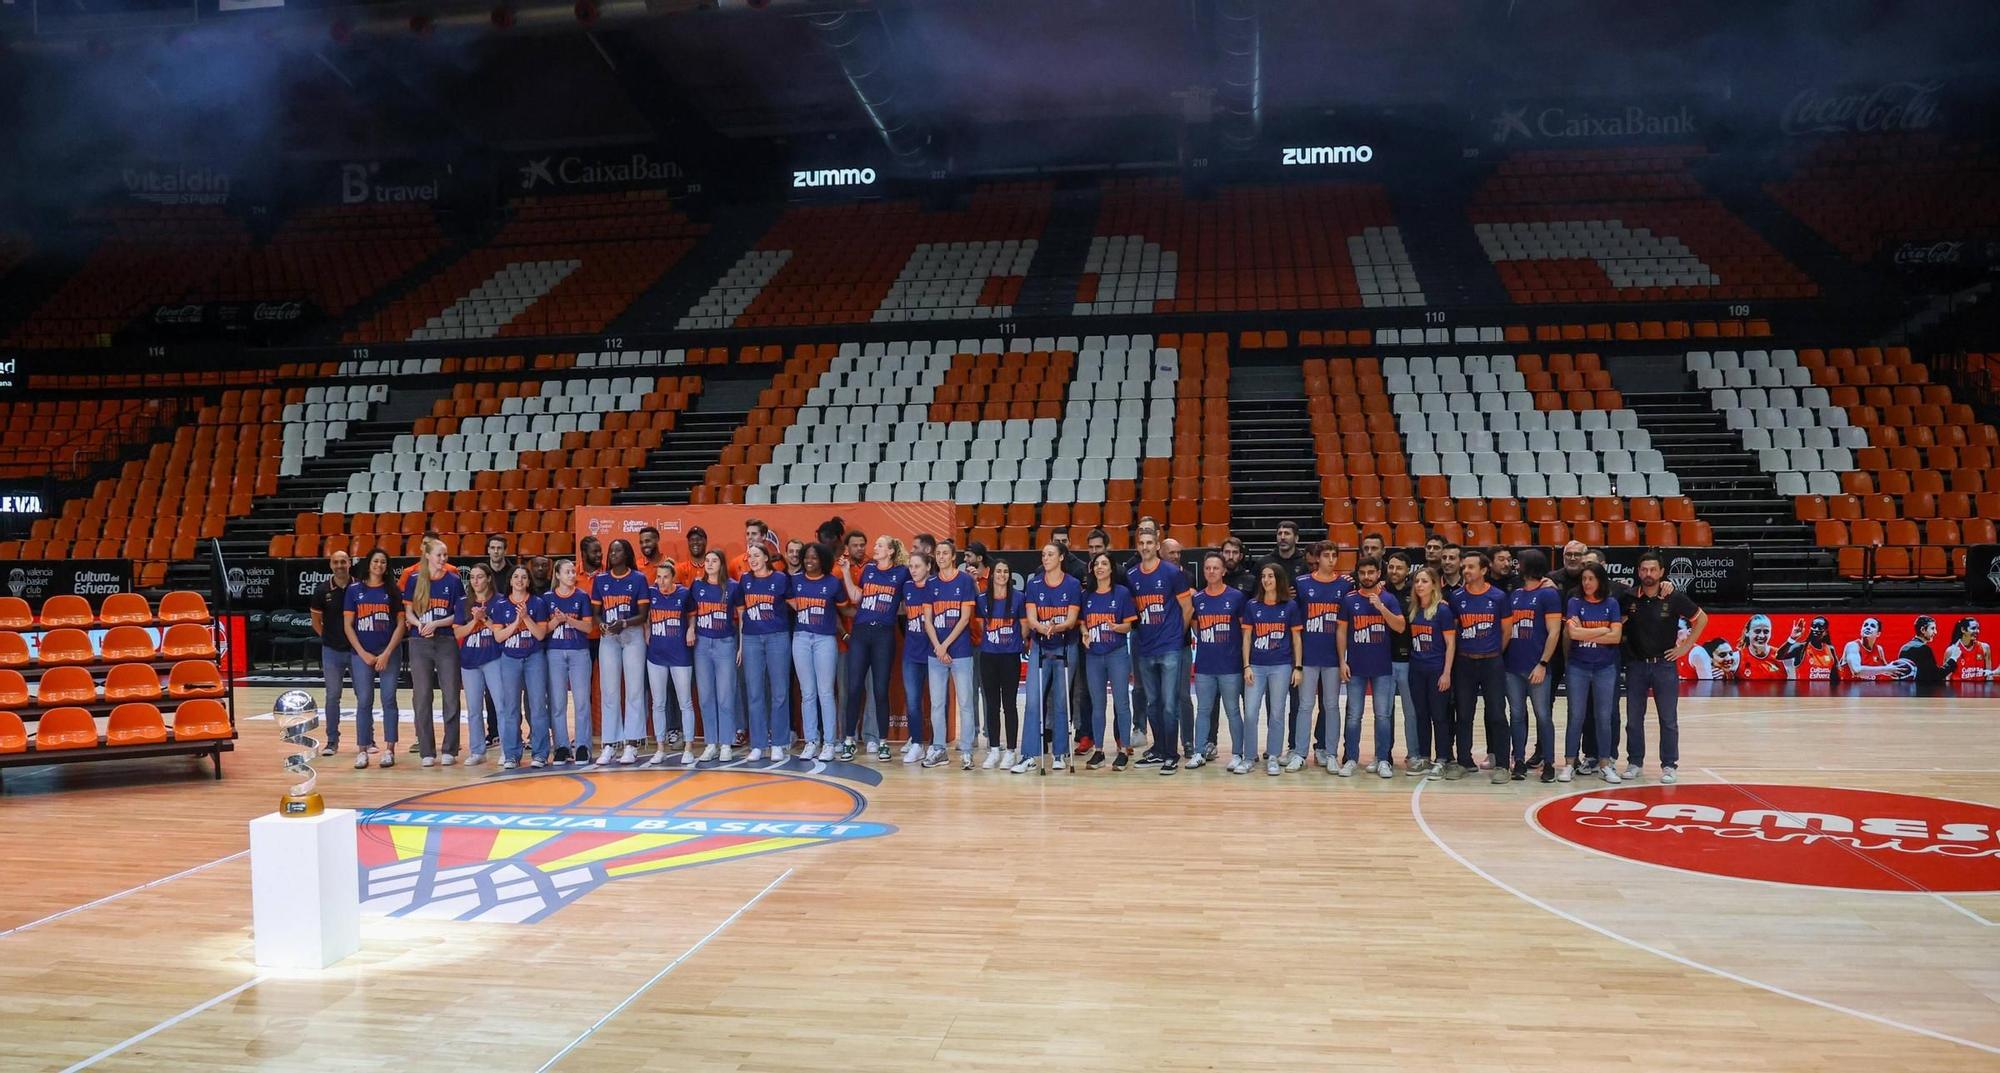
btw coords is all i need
(1322, 155)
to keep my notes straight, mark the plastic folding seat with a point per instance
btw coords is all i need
(66, 610)
(135, 723)
(202, 719)
(65, 646)
(66, 685)
(15, 615)
(181, 606)
(125, 609)
(65, 728)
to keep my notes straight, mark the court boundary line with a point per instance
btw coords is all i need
(658, 976)
(1417, 813)
(166, 1024)
(148, 885)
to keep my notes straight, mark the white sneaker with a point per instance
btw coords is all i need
(1566, 773)
(1385, 769)
(965, 756)
(475, 760)
(1293, 762)
(992, 759)
(1632, 771)
(912, 752)
(659, 757)
(605, 758)
(1057, 763)
(537, 764)
(1610, 775)
(1008, 758)
(754, 755)
(687, 757)
(728, 753)
(1194, 760)
(508, 765)
(707, 755)
(1271, 766)
(428, 761)
(825, 753)
(1668, 774)
(360, 760)
(448, 759)
(936, 756)
(1022, 766)
(630, 755)
(1346, 770)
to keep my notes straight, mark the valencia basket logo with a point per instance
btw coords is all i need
(515, 850)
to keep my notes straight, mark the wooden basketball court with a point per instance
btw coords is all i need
(1095, 921)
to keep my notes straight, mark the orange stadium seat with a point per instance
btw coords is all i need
(15, 615)
(13, 734)
(122, 643)
(135, 723)
(65, 610)
(65, 728)
(129, 681)
(13, 690)
(66, 685)
(66, 646)
(125, 609)
(202, 720)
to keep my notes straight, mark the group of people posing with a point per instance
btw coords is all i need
(1127, 664)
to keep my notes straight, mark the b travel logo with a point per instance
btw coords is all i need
(516, 849)
(1808, 836)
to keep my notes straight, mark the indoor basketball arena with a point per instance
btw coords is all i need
(768, 535)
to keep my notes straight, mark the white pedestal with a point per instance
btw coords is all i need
(305, 889)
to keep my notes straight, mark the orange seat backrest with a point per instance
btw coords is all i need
(13, 734)
(183, 607)
(13, 650)
(188, 640)
(131, 681)
(65, 728)
(137, 723)
(201, 720)
(125, 609)
(15, 615)
(66, 685)
(66, 646)
(66, 610)
(128, 643)
(194, 678)
(13, 689)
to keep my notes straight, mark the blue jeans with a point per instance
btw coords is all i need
(621, 685)
(767, 679)
(1383, 688)
(1593, 701)
(870, 651)
(1050, 676)
(1659, 678)
(916, 700)
(370, 683)
(334, 667)
(1416, 730)
(1520, 694)
(962, 673)
(1164, 679)
(715, 681)
(1211, 690)
(503, 678)
(660, 678)
(569, 679)
(1112, 669)
(535, 686)
(482, 693)
(814, 656)
(1320, 684)
(1271, 687)
(1433, 708)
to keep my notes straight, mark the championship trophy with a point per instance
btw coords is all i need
(297, 718)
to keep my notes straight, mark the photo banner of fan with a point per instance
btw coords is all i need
(1943, 647)
(724, 523)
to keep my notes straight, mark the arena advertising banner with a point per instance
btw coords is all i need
(384, 182)
(1982, 574)
(1925, 649)
(251, 321)
(13, 371)
(1897, 106)
(575, 171)
(1708, 575)
(1554, 124)
(35, 580)
(255, 583)
(724, 524)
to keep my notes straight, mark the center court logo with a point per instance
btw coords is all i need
(515, 850)
(1811, 836)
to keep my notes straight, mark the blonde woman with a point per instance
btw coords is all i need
(433, 600)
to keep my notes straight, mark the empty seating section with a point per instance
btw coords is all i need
(331, 255)
(883, 261)
(62, 690)
(513, 457)
(321, 419)
(1317, 246)
(68, 436)
(1912, 480)
(156, 509)
(1868, 193)
(558, 266)
(1633, 224)
(144, 256)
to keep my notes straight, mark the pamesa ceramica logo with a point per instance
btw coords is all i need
(515, 849)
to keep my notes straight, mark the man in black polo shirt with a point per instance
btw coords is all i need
(1286, 552)
(1654, 645)
(1236, 572)
(1416, 732)
(336, 654)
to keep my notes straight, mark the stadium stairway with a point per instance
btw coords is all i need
(681, 462)
(1450, 263)
(250, 535)
(1050, 289)
(732, 230)
(1272, 476)
(456, 246)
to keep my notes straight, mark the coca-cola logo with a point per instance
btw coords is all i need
(1930, 253)
(185, 314)
(277, 311)
(1889, 107)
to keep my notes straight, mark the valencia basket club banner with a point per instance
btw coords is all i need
(1924, 649)
(724, 524)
